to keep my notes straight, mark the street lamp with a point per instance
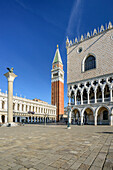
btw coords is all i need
(69, 117)
(45, 117)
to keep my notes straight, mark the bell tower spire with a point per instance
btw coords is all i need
(57, 84)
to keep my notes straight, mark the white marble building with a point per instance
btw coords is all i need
(27, 110)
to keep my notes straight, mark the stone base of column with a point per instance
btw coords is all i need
(12, 124)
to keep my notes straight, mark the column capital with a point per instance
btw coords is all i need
(10, 76)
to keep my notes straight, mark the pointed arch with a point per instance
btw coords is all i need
(72, 98)
(91, 95)
(106, 93)
(78, 97)
(99, 94)
(85, 96)
(89, 62)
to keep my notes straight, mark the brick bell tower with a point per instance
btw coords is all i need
(57, 84)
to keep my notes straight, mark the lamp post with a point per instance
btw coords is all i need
(45, 115)
(69, 117)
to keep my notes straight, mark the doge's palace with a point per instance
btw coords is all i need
(90, 76)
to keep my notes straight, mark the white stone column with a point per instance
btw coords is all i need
(10, 77)
(111, 120)
(28, 108)
(70, 118)
(31, 108)
(102, 95)
(34, 108)
(34, 119)
(95, 91)
(31, 119)
(69, 100)
(20, 107)
(75, 98)
(95, 119)
(28, 119)
(20, 119)
(15, 106)
(111, 94)
(81, 98)
(81, 119)
(5, 118)
(15, 118)
(5, 105)
(88, 97)
(24, 108)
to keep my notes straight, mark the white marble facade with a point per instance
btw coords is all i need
(26, 110)
(91, 100)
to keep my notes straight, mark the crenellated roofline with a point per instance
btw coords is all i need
(95, 32)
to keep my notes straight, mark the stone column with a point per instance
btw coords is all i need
(24, 108)
(20, 107)
(69, 100)
(5, 105)
(95, 91)
(81, 98)
(111, 120)
(15, 106)
(111, 94)
(102, 95)
(10, 76)
(15, 118)
(88, 96)
(82, 119)
(75, 98)
(95, 120)
(20, 119)
(5, 118)
(69, 118)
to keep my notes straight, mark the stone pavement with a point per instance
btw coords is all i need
(54, 147)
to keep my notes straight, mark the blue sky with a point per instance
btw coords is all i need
(30, 31)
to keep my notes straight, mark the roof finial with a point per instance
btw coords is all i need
(57, 46)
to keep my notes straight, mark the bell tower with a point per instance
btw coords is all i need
(57, 84)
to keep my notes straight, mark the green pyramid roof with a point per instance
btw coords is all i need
(57, 57)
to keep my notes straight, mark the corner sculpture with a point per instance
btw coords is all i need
(10, 70)
(10, 77)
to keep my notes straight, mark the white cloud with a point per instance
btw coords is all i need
(75, 18)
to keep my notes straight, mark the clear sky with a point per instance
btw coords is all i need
(30, 31)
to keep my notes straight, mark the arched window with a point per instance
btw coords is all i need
(90, 63)
(3, 104)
